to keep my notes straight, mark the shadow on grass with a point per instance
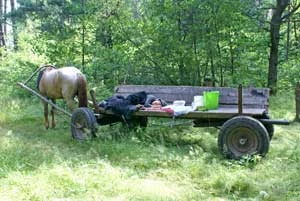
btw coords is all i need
(29, 146)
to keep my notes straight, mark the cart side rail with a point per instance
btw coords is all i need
(252, 97)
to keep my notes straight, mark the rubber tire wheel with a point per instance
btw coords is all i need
(83, 124)
(242, 136)
(269, 127)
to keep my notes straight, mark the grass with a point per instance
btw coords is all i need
(160, 163)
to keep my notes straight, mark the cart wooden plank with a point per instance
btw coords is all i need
(220, 113)
(255, 101)
(252, 97)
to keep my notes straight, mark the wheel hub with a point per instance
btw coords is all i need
(243, 141)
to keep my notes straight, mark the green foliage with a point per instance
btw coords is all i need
(162, 42)
(289, 74)
(17, 67)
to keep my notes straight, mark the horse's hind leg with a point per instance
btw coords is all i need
(52, 114)
(46, 122)
(70, 103)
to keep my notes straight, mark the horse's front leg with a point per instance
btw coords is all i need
(52, 114)
(46, 122)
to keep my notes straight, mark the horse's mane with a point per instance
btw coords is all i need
(41, 72)
(39, 79)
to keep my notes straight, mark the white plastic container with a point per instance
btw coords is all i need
(198, 99)
(198, 102)
(179, 103)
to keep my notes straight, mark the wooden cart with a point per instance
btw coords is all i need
(246, 127)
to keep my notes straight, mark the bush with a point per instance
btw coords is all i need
(17, 67)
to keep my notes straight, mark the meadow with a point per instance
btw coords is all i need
(160, 163)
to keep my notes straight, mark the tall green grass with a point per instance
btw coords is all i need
(159, 163)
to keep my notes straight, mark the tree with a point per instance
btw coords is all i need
(13, 24)
(276, 21)
(2, 41)
(5, 18)
(165, 42)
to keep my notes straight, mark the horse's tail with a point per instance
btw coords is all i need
(82, 91)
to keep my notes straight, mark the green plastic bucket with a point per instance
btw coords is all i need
(211, 100)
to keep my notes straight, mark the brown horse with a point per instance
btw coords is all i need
(63, 83)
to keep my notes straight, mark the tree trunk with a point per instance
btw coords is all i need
(231, 57)
(219, 59)
(13, 23)
(287, 47)
(5, 19)
(197, 75)
(2, 41)
(296, 36)
(135, 9)
(83, 37)
(276, 21)
(297, 97)
(181, 37)
(295, 31)
(213, 73)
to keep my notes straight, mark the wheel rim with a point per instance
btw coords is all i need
(81, 127)
(242, 140)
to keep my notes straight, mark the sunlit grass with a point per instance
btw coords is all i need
(282, 106)
(159, 163)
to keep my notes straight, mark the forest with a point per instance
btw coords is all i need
(164, 42)
(161, 42)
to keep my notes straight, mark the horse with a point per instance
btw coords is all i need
(61, 83)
